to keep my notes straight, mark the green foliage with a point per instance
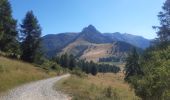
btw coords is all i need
(163, 30)
(157, 73)
(8, 29)
(64, 60)
(51, 66)
(132, 66)
(72, 62)
(31, 32)
(78, 72)
(154, 84)
(94, 69)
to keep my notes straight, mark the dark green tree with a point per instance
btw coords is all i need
(164, 28)
(8, 29)
(154, 83)
(132, 66)
(64, 60)
(94, 70)
(87, 67)
(72, 62)
(31, 38)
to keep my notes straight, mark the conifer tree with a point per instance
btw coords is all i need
(72, 62)
(132, 66)
(164, 28)
(8, 29)
(31, 32)
(94, 70)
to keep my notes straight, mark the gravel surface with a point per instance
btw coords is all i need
(40, 90)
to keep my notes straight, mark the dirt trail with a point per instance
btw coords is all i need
(40, 90)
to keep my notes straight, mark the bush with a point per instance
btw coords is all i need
(108, 92)
(111, 93)
(154, 84)
(77, 71)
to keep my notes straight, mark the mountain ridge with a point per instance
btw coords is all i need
(90, 42)
(135, 40)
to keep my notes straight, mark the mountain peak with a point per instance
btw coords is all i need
(90, 29)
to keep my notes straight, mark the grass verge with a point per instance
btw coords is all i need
(101, 87)
(14, 73)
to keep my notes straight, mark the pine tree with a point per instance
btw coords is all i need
(66, 60)
(87, 67)
(94, 70)
(8, 29)
(164, 30)
(72, 62)
(31, 32)
(132, 66)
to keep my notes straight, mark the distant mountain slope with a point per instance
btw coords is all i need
(92, 51)
(90, 44)
(53, 43)
(132, 39)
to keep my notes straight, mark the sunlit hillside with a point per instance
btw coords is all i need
(14, 73)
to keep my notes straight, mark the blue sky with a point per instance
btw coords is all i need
(56, 16)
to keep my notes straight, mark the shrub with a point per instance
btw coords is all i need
(77, 71)
(108, 92)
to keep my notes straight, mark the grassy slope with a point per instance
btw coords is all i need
(95, 87)
(14, 73)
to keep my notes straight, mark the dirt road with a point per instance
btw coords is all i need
(40, 90)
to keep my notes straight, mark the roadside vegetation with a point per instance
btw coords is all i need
(14, 73)
(107, 86)
(21, 56)
(149, 74)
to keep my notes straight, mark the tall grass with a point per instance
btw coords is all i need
(100, 87)
(14, 73)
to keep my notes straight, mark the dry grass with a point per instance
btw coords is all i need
(96, 51)
(116, 81)
(14, 73)
(93, 52)
(94, 87)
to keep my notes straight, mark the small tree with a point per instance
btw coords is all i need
(132, 67)
(64, 60)
(31, 38)
(72, 62)
(93, 68)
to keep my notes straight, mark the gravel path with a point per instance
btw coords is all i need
(40, 90)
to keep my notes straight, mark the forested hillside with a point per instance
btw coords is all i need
(149, 74)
